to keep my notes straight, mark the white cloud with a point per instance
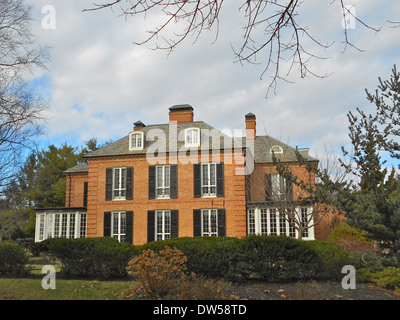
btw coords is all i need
(101, 82)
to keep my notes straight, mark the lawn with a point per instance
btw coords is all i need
(30, 288)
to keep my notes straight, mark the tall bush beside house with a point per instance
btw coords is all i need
(13, 259)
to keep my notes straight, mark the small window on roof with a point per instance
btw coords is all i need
(276, 149)
(136, 141)
(192, 137)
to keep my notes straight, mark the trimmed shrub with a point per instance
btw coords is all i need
(262, 258)
(333, 258)
(13, 259)
(101, 257)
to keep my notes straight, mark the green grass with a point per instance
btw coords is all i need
(66, 289)
(31, 289)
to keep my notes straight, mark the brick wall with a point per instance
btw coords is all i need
(75, 189)
(233, 202)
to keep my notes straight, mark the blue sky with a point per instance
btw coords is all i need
(98, 83)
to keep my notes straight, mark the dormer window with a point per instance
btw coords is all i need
(136, 141)
(192, 137)
(276, 149)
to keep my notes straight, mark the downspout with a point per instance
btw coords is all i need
(69, 191)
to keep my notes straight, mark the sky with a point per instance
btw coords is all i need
(98, 82)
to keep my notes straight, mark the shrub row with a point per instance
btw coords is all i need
(13, 259)
(103, 257)
(263, 258)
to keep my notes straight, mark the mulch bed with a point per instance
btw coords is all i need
(311, 291)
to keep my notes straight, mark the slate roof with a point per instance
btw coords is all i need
(262, 144)
(79, 168)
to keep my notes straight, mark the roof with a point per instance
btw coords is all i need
(155, 133)
(160, 131)
(263, 154)
(79, 168)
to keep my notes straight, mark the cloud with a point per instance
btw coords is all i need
(100, 82)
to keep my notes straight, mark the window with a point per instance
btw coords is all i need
(276, 149)
(163, 225)
(162, 181)
(119, 183)
(208, 179)
(268, 221)
(209, 222)
(192, 137)
(60, 225)
(118, 226)
(278, 188)
(136, 141)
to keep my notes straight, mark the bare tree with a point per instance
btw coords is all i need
(20, 109)
(283, 38)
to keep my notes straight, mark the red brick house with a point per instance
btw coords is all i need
(179, 179)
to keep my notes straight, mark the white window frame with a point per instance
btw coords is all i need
(163, 230)
(267, 221)
(118, 231)
(121, 185)
(163, 186)
(192, 137)
(69, 225)
(276, 149)
(209, 228)
(209, 177)
(278, 186)
(134, 142)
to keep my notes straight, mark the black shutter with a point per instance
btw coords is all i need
(289, 189)
(174, 223)
(109, 178)
(129, 183)
(152, 182)
(220, 180)
(150, 225)
(197, 180)
(173, 181)
(107, 224)
(129, 227)
(85, 193)
(221, 223)
(197, 223)
(268, 187)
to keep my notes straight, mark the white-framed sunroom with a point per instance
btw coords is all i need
(60, 223)
(266, 220)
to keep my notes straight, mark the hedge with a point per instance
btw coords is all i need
(262, 258)
(103, 257)
(13, 259)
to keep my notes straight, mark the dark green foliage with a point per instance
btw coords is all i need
(13, 259)
(101, 257)
(261, 258)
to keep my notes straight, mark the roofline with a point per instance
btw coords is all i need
(63, 209)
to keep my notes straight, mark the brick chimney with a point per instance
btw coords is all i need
(138, 125)
(250, 126)
(181, 113)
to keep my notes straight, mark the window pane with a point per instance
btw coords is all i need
(72, 225)
(205, 222)
(282, 224)
(264, 221)
(115, 224)
(166, 179)
(213, 220)
(83, 225)
(159, 177)
(272, 222)
(252, 221)
(212, 174)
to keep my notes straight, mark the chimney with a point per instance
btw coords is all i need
(138, 125)
(181, 113)
(250, 126)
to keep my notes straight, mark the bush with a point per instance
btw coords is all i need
(263, 258)
(101, 257)
(388, 278)
(13, 259)
(351, 239)
(162, 275)
(333, 258)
